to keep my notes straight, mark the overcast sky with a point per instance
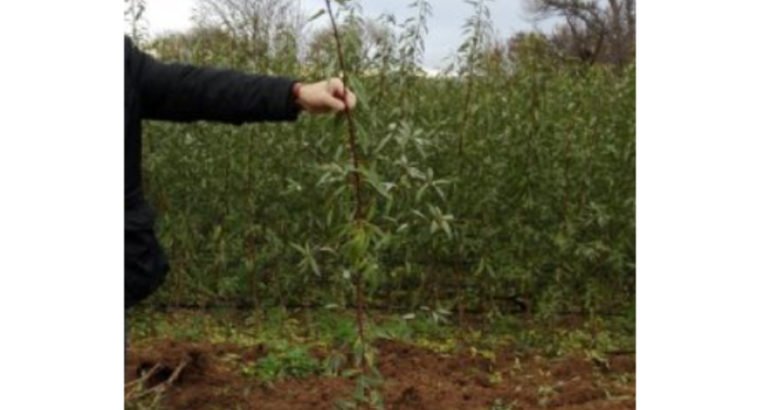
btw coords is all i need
(445, 25)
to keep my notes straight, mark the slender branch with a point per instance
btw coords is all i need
(357, 183)
(359, 209)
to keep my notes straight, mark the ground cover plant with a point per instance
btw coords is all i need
(463, 240)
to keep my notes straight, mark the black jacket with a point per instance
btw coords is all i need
(182, 93)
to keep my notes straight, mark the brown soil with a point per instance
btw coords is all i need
(414, 378)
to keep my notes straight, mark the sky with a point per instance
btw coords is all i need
(445, 26)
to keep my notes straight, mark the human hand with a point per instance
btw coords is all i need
(324, 97)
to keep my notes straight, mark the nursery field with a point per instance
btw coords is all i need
(458, 241)
(508, 184)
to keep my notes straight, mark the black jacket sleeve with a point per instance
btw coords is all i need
(179, 92)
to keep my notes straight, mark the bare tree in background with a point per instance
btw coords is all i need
(267, 26)
(365, 42)
(593, 30)
(133, 17)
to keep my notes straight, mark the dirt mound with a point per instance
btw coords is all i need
(204, 376)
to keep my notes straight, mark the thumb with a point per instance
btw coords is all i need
(335, 87)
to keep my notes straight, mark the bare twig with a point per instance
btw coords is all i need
(132, 386)
(176, 373)
(159, 388)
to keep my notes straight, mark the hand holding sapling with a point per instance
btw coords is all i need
(324, 96)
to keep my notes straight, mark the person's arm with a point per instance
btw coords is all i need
(180, 92)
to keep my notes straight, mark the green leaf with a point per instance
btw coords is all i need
(316, 15)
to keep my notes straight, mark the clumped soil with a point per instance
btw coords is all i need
(415, 378)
